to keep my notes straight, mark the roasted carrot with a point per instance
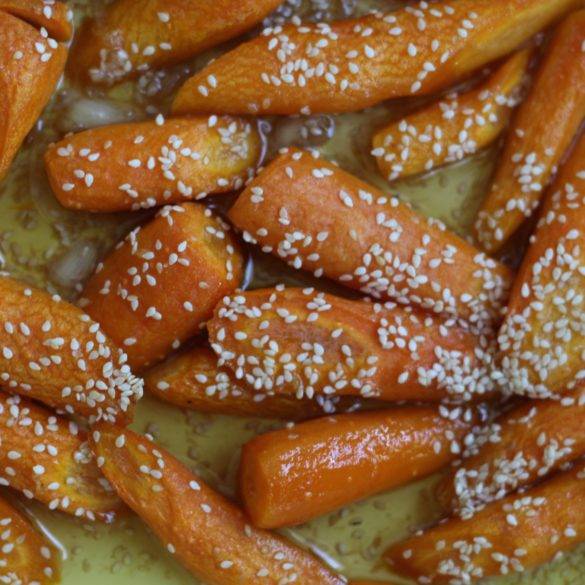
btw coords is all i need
(207, 533)
(508, 536)
(47, 458)
(26, 556)
(308, 343)
(543, 339)
(160, 285)
(356, 63)
(193, 380)
(53, 352)
(145, 164)
(317, 217)
(32, 62)
(453, 128)
(540, 134)
(134, 36)
(290, 476)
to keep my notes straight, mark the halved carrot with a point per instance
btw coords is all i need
(543, 337)
(540, 135)
(161, 283)
(26, 556)
(453, 128)
(519, 448)
(317, 217)
(193, 380)
(308, 343)
(508, 536)
(207, 533)
(134, 36)
(356, 63)
(53, 352)
(47, 458)
(290, 476)
(145, 164)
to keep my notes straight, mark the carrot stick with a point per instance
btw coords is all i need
(290, 476)
(308, 343)
(134, 36)
(26, 556)
(53, 352)
(543, 339)
(540, 135)
(53, 16)
(47, 458)
(454, 127)
(356, 63)
(161, 283)
(208, 534)
(145, 164)
(317, 217)
(508, 536)
(193, 380)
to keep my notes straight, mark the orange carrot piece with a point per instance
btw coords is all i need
(53, 352)
(145, 164)
(290, 476)
(53, 16)
(543, 339)
(308, 343)
(453, 128)
(47, 458)
(134, 36)
(541, 133)
(160, 285)
(511, 535)
(356, 63)
(206, 532)
(193, 380)
(32, 63)
(317, 217)
(26, 556)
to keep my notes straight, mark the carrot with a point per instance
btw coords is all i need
(47, 458)
(543, 339)
(308, 343)
(457, 126)
(356, 63)
(508, 536)
(540, 135)
(290, 476)
(519, 448)
(53, 352)
(145, 164)
(193, 380)
(134, 36)
(161, 283)
(317, 217)
(32, 63)
(208, 534)
(26, 556)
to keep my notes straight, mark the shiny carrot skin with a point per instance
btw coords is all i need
(290, 476)
(53, 352)
(317, 217)
(303, 342)
(134, 36)
(542, 339)
(147, 164)
(539, 137)
(208, 534)
(53, 16)
(453, 128)
(26, 556)
(161, 283)
(511, 535)
(47, 458)
(352, 64)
